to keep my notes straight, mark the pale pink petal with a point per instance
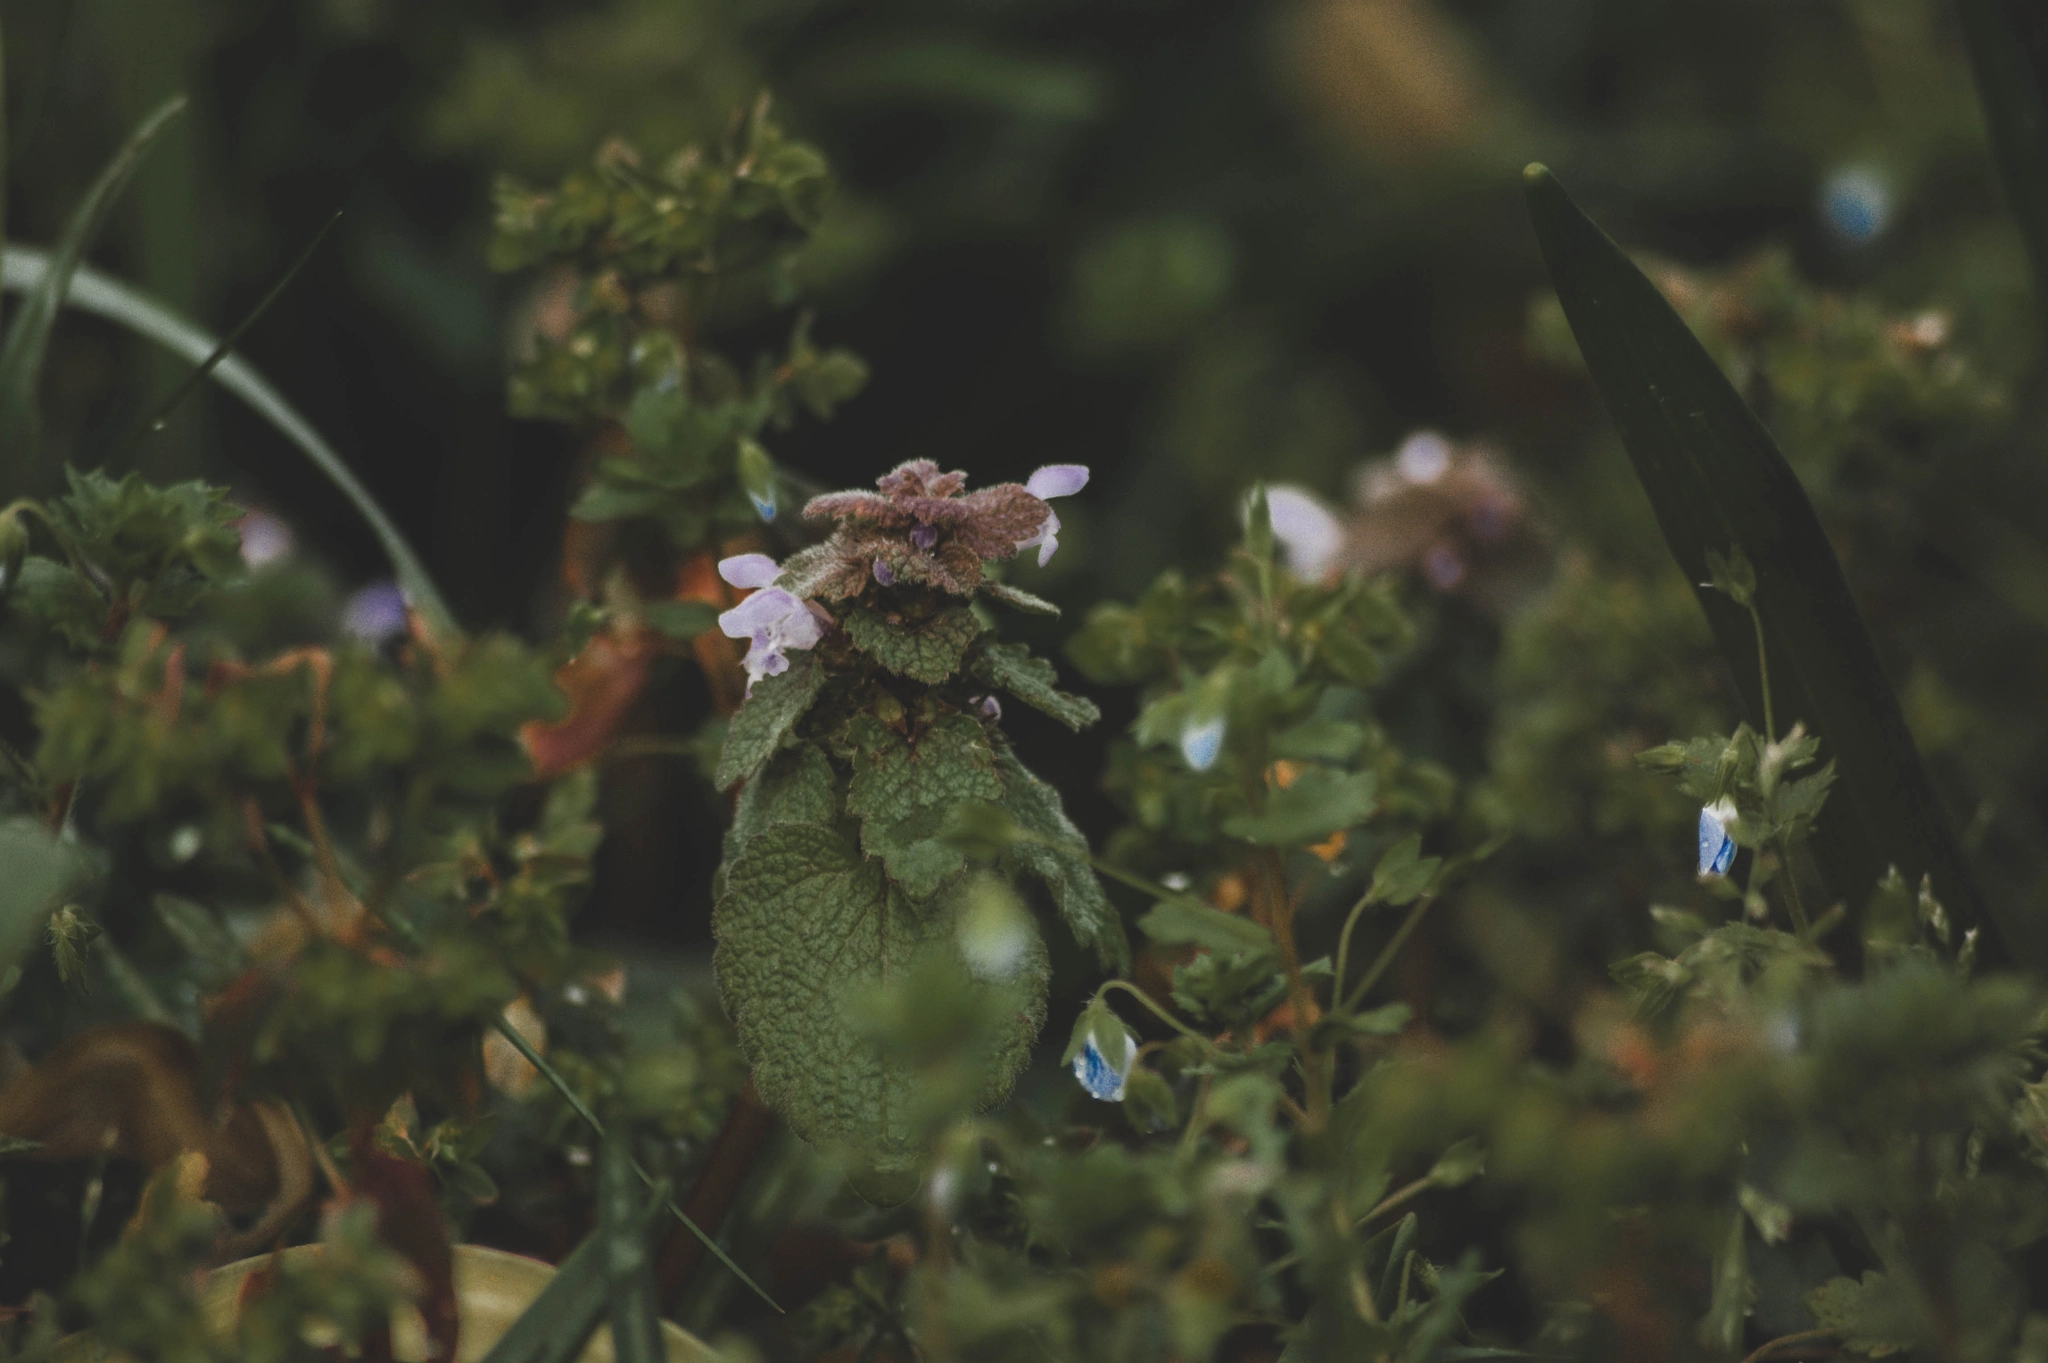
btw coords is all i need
(749, 570)
(1057, 480)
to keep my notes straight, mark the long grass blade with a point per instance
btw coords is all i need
(548, 1072)
(629, 1263)
(28, 336)
(190, 384)
(2008, 46)
(560, 1321)
(1716, 480)
(25, 269)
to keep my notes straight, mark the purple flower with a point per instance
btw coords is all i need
(1309, 533)
(771, 620)
(1054, 480)
(884, 574)
(924, 535)
(749, 570)
(375, 613)
(990, 708)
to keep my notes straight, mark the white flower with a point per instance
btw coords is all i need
(1309, 533)
(771, 619)
(1054, 480)
(1423, 457)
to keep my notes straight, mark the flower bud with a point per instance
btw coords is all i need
(757, 476)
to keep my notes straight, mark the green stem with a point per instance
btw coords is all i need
(1365, 901)
(1387, 953)
(1763, 667)
(1793, 902)
(1169, 1019)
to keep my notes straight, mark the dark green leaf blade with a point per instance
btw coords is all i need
(21, 356)
(2009, 53)
(629, 1264)
(1716, 479)
(563, 1317)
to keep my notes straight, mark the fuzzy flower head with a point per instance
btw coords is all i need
(771, 620)
(922, 526)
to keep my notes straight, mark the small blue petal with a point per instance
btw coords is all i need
(1102, 1079)
(1717, 849)
(1202, 743)
(763, 506)
(1856, 201)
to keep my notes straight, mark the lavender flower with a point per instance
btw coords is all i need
(1103, 1078)
(1717, 848)
(771, 620)
(375, 613)
(1054, 480)
(1309, 533)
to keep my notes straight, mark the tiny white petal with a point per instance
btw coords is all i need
(749, 570)
(1057, 480)
(1309, 533)
(1424, 457)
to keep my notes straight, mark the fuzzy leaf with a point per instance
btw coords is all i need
(797, 786)
(1321, 801)
(1020, 599)
(1060, 858)
(767, 717)
(1874, 1317)
(1012, 668)
(806, 929)
(928, 650)
(902, 791)
(1716, 479)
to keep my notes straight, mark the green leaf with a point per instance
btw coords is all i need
(41, 870)
(25, 269)
(28, 338)
(903, 789)
(773, 709)
(1716, 480)
(797, 786)
(624, 1223)
(1728, 1310)
(1019, 599)
(927, 650)
(561, 1320)
(1182, 922)
(1875, 1319)
(1319, 802)
(1012, 668)
(2012, 80)
(808, 930)
(683, 620)
(1404, 874)
(1058, 855)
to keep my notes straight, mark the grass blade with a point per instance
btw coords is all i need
(2009, 53)
(28, 337)
(156, 419)
(1716, 479)
(564, 1316)
(25, 269)
(629, 1264)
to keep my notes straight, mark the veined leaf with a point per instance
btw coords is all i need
(26, 269)
(2009, 52)
(1717, 480)
(28, 338)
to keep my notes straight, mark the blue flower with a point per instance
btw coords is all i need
(1857, 203)
(1054, 480)
(772, 620)
(1201, 742)
(1101, 1078)
(1717, 848)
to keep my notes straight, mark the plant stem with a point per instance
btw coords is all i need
(1387, 953)
(1765, 1350)
(1365, 901)
(1763, 667)
(1169, 1019)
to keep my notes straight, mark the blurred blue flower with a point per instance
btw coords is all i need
(1717, 848)
(1099, 1076)
(1201, 742)
(1857, 203)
